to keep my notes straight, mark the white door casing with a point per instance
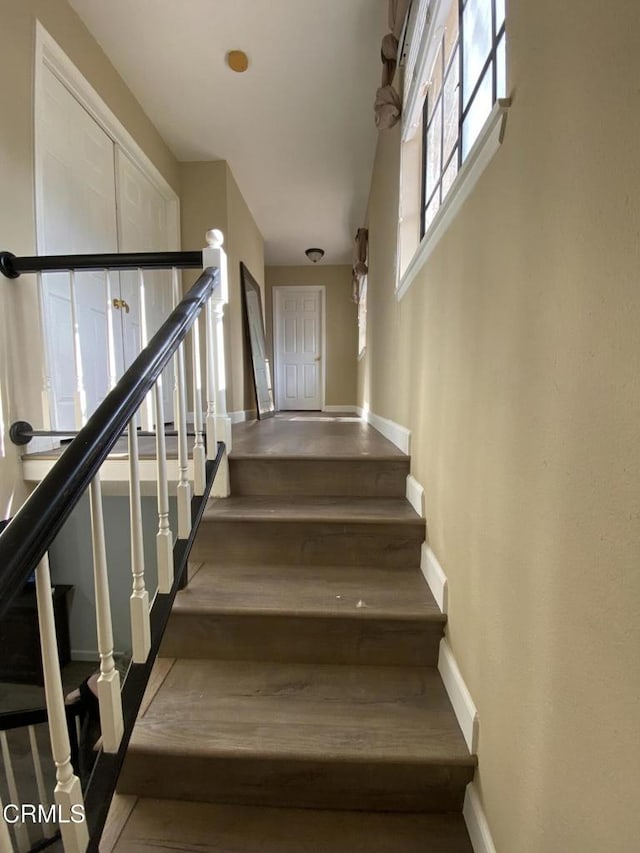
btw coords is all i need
(298, 323)
(78, 215)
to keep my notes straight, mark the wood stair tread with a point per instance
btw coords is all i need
(305, 712)
(276, 508)
(329, 591)
(158, 826)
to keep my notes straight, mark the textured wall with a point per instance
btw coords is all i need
(514, 361)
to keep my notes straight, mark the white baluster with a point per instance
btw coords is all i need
(111, 341)
(212, 376)
(139, 601)
(79, 396)
(67, 792)
(5, 839)
(47, 385)
(223, 421)
(164, 539)
(22, 836)
(109, 699)
(146, 412)
(199, 456)
(49, 828)
(184, 486)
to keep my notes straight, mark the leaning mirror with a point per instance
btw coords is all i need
(254, 327)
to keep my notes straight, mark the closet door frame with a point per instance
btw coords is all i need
(49, 53)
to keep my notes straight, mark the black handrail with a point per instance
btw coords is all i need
(28, 536)
(12, 267)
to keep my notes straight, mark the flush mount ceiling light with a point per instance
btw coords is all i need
(315, 255)
(237, 60)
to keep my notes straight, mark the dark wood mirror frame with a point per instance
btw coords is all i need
(254, 329)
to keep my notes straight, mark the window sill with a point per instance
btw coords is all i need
(485, 146)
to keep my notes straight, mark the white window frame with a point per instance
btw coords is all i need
(414, 252)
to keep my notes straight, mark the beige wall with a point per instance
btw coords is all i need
(20, 378)
(342, 324)
(245, 244)
(211, 198)
(514, 360)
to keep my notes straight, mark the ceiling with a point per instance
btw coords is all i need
(297, 128)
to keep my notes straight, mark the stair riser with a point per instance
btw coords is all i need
(310, 543)
(303, 639)
(345, 477)
(327, 784)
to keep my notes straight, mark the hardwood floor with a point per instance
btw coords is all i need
(297, 703)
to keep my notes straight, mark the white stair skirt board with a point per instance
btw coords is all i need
(397, 434)
(476, 822)
(463, 705)
(435, 577)
(415, 495)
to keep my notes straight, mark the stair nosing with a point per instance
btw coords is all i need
(362, 613)
(284, 754)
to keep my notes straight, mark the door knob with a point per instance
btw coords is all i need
(317, 358)
(117, 304)
(125, 305)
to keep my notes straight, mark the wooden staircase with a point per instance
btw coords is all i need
(296, 704)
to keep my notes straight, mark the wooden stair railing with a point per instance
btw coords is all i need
(25, 541)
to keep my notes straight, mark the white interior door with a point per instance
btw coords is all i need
(78, 215)
(298, 347)
(143, 227)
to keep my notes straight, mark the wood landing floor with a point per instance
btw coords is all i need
(296, 704)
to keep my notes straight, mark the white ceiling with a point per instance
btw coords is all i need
(297, 128)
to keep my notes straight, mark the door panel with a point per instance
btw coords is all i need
(143, 228)
(78, 216)
(298, 347)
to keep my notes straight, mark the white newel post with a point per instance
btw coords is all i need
(5, 839)
(218, 422)
(68, 792)
(139, 601)
(164, 537)
(183, 489)
(199, 455)
(109, 699)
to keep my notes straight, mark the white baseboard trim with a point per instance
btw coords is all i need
(236, 417)
(346, 410)
(435, 577)
(415, 495)
(397, 434)
(476, 822)
(241, 416)
(459, 696)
